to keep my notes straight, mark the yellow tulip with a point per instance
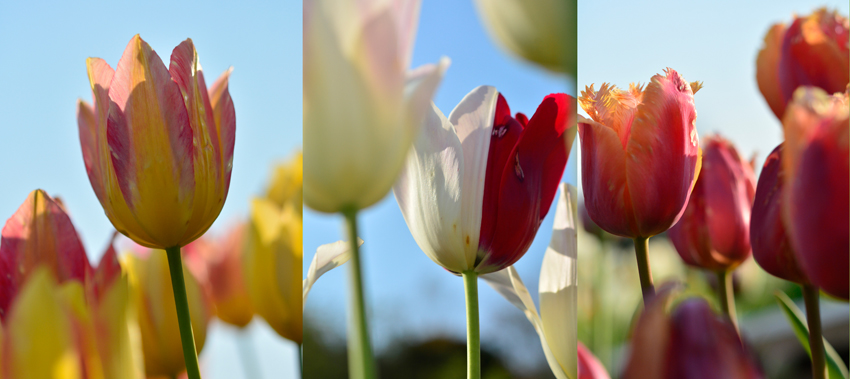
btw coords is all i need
(272, 264)
(286, 184)
(362, 107)
(540, 31)
(150, 287)
(161, 168)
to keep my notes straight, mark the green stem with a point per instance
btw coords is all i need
(726, 296)
(646, 287)
(184, 319)
(361, 363)
(248, 355)
(473, 333)
(810, 296)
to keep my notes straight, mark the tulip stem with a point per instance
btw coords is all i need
(646, 286)
(811, 297)
(726, 296)
(184, 319)
(361, 363)
(473, 333)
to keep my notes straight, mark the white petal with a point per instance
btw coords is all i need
(473, 120)
(407, 17)
(428, 192)
(328, 257)
(508, 284)
(558, 285)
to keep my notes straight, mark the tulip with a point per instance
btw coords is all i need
(772, 249)
(640, 158)
(272, 266)
(588, 366)
(149, 278)
(713, 232)
(542, 32)
(812, 51)
(362, 108)
(218, 267)
(40, 233)
(556, 322)
(286, 187)
(688, 341)
(816, 161)
(158, 147)
(477, 185)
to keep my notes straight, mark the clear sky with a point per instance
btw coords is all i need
(44, 46)
(409, 295)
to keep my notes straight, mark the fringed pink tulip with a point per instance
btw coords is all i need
(157, 144)
(714, 231)
(640, 154)
(816, 160)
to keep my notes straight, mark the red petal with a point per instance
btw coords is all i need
(529, 183)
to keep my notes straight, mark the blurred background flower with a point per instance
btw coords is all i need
(268, 111)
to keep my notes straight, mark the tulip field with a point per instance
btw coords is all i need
(479, 189)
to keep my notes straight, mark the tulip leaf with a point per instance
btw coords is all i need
(836, 367)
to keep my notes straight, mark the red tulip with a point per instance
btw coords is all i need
(813, 51)
(771, 248)
(816, 160)
(714, 231)
(689, 341)
(477, 185)
(588, 366)
(640, 154)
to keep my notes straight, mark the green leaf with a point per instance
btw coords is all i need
(835, 366)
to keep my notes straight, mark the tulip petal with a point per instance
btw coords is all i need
(606, 193)
(147, 109)
(40, 233)
(429, 191)
(473, 121)
(529, 183)
(662, 154)
(559, 284)
(225, 121)
(209, 191)
(118, 337)
(767, 69)
(651, 337)
(589, 366)
(407, 20)
(328, 257)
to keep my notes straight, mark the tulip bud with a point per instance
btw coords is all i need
(688, 341)
(157, 145)
(812, 51)
(40, 233)
(362, 107)
(771, 248)
(640, 154)
(478, 184)
(816, 161)
(542, 32)
(714, 231)
(150, 283)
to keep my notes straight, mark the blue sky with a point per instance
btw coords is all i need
(409, 295)
(43, 73)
